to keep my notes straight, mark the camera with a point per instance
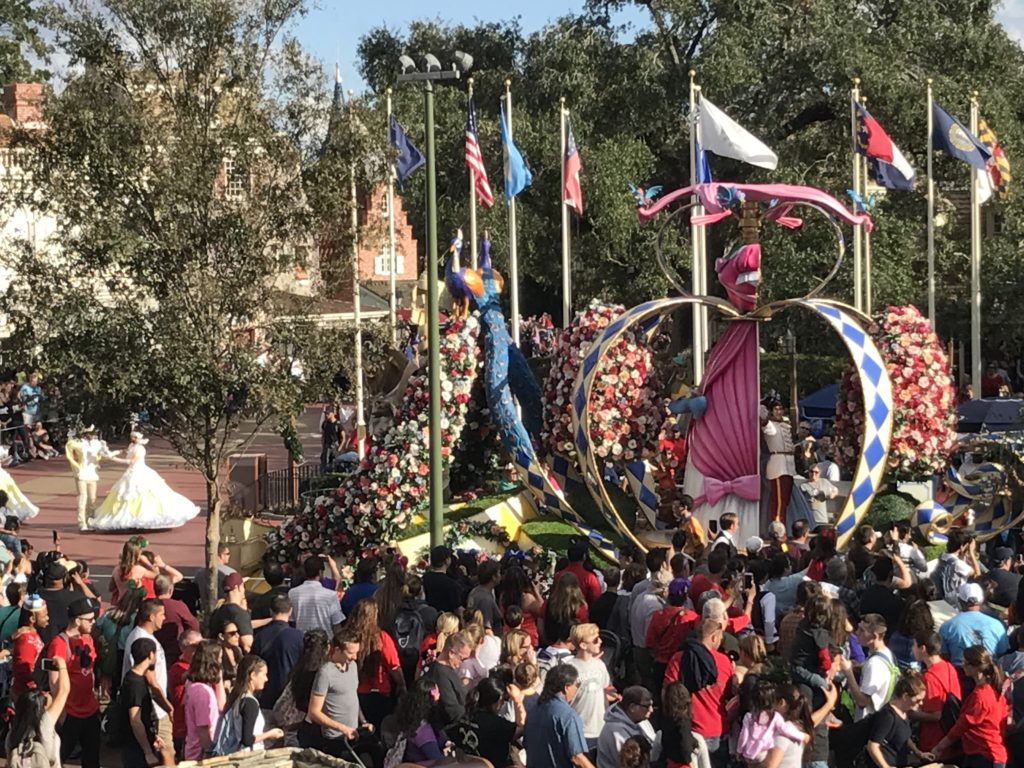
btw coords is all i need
(49, 665)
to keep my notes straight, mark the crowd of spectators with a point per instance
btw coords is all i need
(779, 653)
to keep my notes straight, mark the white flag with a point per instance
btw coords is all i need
(983, 185)
(722, 135)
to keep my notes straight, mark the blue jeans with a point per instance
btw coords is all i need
(13, 543)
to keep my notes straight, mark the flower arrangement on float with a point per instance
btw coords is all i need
(629, 408)
(924, 400)
(372, 506)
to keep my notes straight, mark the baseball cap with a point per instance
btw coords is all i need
(232, 581)
(754, 545)
(55, 572)
(1003, 553)
(971, 594)
(636, 695)
(80, 607)
(679, 586)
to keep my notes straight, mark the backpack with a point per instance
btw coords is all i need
(114, 723)
(950, 711)
(396, 755)
(228, 739)
(409, 633)
(40, 676)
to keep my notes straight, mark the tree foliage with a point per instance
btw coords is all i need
(20, 42)
(783, 70)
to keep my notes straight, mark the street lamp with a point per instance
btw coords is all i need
(431, 72)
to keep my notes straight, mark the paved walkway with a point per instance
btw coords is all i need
(49, 484)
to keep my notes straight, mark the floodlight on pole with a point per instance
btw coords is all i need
(432, 71)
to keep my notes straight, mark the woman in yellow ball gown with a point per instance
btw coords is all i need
(141, 499)
(17, 504)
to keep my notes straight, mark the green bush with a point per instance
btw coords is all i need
(888, 508)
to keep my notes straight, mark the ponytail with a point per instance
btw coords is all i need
(978, 657)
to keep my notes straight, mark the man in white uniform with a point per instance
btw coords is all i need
(781, 461)
(84, 456)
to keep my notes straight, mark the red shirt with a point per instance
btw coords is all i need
(82, 701)
(980, 725)
(939, 679)
(24, 651)
(375, 673)
(701, 584)
(708, 704)
(176, 694)
(588, 581)
(667, 629)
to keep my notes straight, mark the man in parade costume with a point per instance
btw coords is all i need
(781, 462)
(84, 455)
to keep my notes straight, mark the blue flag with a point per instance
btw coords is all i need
(409, 157)
(949, 135)
(703, 168)
(517, 175)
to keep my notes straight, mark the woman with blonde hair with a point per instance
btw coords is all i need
(565, 607)
(243, 704)
(516, 646)
(447, 624)
(380, 669)
(753, 655)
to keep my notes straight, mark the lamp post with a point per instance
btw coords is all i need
(432, 72)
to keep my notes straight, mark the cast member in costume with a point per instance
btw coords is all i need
(17, 504)
(781, 460)
(84, 456)
(141, 499)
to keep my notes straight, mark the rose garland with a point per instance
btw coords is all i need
(627, 409)
(369, 509)
(924, 417)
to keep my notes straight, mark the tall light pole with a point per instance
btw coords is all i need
(432, 72)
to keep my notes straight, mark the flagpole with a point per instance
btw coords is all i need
(696, 270)
(566, 276)
(472, 196)
(513, 234)
(392, 287)
(865, 234)
(931, 212)
(858, 232)
(975, 264)
(357, 317)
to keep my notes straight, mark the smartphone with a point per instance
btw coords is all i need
(49, 665)
(713, 527)
(748, 580)
(56, 538)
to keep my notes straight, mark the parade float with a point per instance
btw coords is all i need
(584, 443)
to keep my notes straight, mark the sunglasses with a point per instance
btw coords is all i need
(233, 633)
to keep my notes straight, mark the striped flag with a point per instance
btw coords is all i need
(998, 167)
(475, 161)
(572, 195)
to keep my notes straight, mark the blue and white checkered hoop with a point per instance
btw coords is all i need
(878, 411)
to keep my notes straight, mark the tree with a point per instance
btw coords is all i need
(20, 39)
(177, 164)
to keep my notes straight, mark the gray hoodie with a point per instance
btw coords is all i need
(617, 728)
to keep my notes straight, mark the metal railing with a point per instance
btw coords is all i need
(282, 488)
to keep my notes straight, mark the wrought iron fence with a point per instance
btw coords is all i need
(282, 488)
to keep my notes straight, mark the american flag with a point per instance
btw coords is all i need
(475, 161)
(572, 194)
